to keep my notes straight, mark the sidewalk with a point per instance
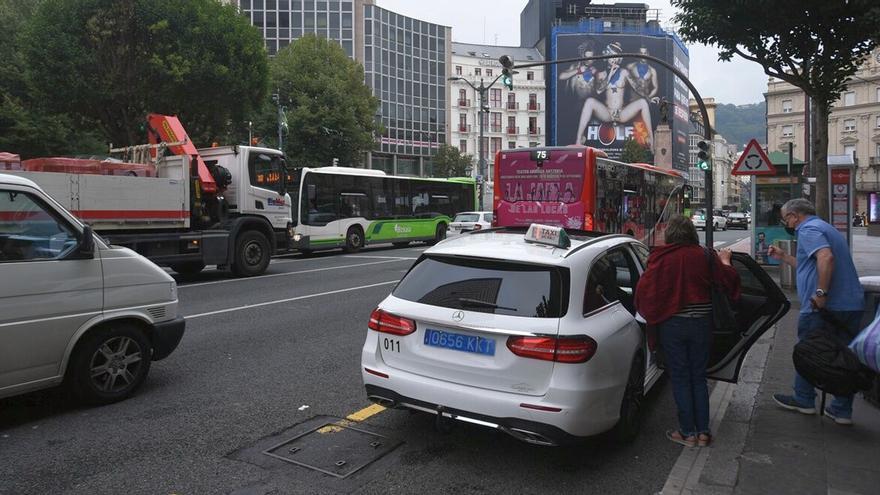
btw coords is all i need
(763, 449)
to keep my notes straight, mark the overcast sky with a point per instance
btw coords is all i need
(496, 22)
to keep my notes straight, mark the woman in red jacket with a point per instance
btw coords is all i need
(674, 294)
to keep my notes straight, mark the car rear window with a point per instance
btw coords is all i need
(466, 217)
(501, 288)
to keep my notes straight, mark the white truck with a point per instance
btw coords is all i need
(224, 206)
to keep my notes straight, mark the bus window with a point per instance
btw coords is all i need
(321, 199)
(402, 200)
(354, 205)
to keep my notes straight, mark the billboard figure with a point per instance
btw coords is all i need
(614, 110)
(644, 77)
(585, 76)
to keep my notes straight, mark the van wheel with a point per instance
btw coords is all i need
(354, 240)
(109, 364)
(630, 421)
(188, 267)
(251, 254)
(439, 234)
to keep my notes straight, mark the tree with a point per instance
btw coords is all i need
(815, 45)
(633, 152)
(27, 127)
(330, 111)
(450, 162)
(114, 61)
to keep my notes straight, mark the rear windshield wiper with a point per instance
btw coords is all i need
(466, 301)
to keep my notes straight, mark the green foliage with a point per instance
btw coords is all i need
(815, 45)
(330, 111)
(27, 126)
(114, 61)
(633, 152)
(741, 123)
(450, 162)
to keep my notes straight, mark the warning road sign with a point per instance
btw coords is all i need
(753, 161)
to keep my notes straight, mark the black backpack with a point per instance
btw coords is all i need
(824, 360)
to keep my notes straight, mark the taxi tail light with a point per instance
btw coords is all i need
(558, 349)
(477, 226)
(385, 322)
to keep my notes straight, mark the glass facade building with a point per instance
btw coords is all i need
(405, 64)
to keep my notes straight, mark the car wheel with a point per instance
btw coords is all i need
(354, 239)
(251, 254)
(188, 267)
(109, 364)
(630, 421)
(439, 234)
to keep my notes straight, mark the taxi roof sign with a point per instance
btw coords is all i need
(549, 235)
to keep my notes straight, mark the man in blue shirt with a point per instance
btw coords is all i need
(826, 278)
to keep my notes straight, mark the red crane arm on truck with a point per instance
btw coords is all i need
(168, 129)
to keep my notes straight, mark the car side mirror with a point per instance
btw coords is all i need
(85, 246)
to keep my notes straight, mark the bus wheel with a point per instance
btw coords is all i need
(251, 254)
(354, 240)
(439, 234)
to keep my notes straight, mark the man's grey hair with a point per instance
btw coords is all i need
(680, 230)
(799, 206)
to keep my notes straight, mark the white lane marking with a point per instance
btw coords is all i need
(383, 257)
(281, 262)
(286, 274)
(289, 299)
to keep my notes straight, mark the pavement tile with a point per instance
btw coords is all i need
(774, 421)
(848, 479)
(742, 403)
(782, 465)
(721, 466)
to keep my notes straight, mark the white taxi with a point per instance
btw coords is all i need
(534, 333)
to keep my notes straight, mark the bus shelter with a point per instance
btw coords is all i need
(769, 193)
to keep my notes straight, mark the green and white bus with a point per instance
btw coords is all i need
(342, 207)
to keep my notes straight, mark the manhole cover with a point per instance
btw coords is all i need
(334, 449)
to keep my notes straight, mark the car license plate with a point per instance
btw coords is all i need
(458, 342)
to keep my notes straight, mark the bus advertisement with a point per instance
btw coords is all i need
(577, 187)
(342, 207)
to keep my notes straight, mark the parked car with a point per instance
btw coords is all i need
(718, 220)
(470, 220)
(74, 309)
(534, 333)
(737, 220)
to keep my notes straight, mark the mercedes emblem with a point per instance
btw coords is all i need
(458, 315)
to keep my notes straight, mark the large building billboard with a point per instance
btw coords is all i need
(602, 103)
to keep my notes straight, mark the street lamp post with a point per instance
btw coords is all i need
(482, 89)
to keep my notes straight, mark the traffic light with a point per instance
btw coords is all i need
(703, 155)
(507, 71)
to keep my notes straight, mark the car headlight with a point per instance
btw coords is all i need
(173, 291)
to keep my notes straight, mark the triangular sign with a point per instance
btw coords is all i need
(753, 161)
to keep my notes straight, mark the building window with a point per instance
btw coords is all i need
(787, 131)
(878, 95)
(496, 146)
(849, 98)
(533, 101)
(511, 101)
(511, 125)
(877, 151)
(495, 98)
(849, 125)
(457, 70)
(477, 71)
(488, 72)
(462, 98)
(533, 125)
(462, 123)
(530, 76)
(512, 145)
(462, 145)
(849, 149)
(786, 106)
(877, 122)
(496, 122)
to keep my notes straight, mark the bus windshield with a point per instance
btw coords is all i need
(541, 186)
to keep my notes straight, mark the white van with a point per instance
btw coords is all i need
(73, 309)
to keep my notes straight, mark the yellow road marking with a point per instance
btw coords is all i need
(353, 418)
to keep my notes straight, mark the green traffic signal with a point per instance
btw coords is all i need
(703, 155)
(507, 80)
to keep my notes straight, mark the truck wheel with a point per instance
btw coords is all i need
(251, 254)
(439, 234)
(630, 422)
(188, 267)
(354, 240)
(109, 364)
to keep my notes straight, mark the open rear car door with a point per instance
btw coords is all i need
(760, 306)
